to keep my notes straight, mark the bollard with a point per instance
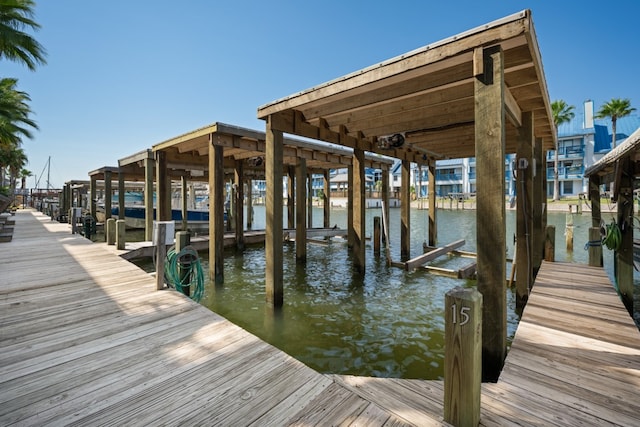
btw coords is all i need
(110, 231)
(463, 356)
(120, 234)
(376, 235)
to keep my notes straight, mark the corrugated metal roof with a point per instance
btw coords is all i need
(625, 126)
(574, 127)
(630, 145)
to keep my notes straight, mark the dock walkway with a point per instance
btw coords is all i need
(86, 339)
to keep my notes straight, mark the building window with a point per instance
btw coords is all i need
(568, 187)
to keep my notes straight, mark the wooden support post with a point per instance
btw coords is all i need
(120, 234)
(524, 217)
(594, 196)
(68, 201)
(231, 213)
(309, 201)
(163, 190)
(239, 204)
(405, 211)
(595, 247)
(539, 200)
(183, 239)
(385, 204)
(110, 231)
(463, 356)
(216, 212)
(568, 232)
(550, 243)
(249, 204)
(350, 230)
(184, 205)
(291, 203)
(107, 194)
(301, 210)
(160, 238)
(358, 210)
(78, 198)
(491, 212)
(273, 239)
(624, 255)
(327, 200)
(74, 214)
(148, 198)
(433, 211)
(121, 194)
(376, 235)
(93, 190)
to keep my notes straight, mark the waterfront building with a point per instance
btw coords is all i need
(581, 142)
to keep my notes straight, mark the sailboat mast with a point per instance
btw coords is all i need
(48, 171)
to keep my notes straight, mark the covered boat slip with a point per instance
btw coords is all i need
(240, 159)
(219, 151)
(86, 339)
(620, 168)
(482, 94)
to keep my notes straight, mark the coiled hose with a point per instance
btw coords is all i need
(183, 271)
(611, 236)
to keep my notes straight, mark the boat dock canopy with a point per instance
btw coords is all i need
(189, 152)
(426, 95)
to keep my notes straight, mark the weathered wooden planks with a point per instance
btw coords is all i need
(86, 339)
(104, 347)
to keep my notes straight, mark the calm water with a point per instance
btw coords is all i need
(388, 323)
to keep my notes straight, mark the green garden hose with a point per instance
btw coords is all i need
(612, 237)
(183, 271)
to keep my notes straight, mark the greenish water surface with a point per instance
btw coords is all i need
(387, 323)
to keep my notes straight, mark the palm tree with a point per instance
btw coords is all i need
(15, 160)
(615, 109)
(14, 115)
(562, 113)
(16, 45)
(14, 112)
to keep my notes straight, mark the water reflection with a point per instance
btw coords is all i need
(388, 323)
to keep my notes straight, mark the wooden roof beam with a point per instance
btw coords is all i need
(286, 122)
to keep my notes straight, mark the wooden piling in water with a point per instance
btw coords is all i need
(376, 235)
(595, 247)
(569, 232)
(463, 356)
(550, 243)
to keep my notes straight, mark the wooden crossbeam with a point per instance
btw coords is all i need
(429, 256)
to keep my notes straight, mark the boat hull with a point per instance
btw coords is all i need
(135, 217)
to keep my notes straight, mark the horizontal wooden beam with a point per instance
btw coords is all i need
(288, 122)
(429, 256)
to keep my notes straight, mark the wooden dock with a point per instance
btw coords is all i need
(145, 249)
(85, 339)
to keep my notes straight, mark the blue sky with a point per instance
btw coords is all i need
(122, 75)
